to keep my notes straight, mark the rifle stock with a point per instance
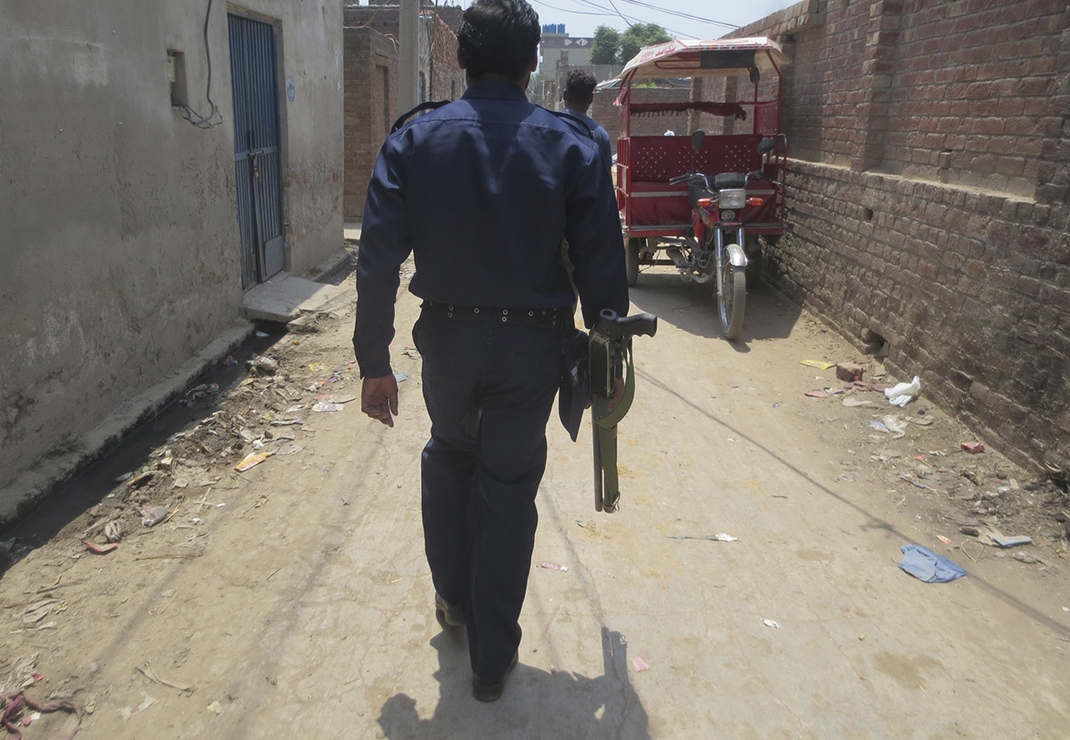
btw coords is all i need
(610, 351)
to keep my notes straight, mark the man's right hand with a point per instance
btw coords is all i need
(379, 398)
(614, 401)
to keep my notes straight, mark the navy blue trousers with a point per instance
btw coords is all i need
(489, 391)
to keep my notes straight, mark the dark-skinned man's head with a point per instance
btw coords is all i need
(499, 38)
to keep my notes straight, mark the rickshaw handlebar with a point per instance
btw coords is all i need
(689, 176)
(756, 175)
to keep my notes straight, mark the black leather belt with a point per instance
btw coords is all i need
(542, 318)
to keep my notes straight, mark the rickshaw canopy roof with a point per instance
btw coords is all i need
(718, 57)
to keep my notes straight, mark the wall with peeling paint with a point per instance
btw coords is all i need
(120, 247)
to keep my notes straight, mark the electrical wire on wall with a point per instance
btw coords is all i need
(214, 117)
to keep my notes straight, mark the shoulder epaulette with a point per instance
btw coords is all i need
(429, 105)
(575, 121)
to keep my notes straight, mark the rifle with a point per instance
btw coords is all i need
(610, 349)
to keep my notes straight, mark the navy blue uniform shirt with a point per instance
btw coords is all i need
(481, 191)
(599, 134)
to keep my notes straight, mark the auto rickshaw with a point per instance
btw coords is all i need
(704, 202)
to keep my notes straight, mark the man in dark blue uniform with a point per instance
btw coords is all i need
(481, 192)
(578, 96)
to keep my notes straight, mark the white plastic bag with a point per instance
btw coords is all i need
(903, 393)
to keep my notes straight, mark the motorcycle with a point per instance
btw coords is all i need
(714, 248)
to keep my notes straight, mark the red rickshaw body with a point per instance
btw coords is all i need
(649, 205)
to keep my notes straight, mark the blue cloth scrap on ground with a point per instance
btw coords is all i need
(926, 565)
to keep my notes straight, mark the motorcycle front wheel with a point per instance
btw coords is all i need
(731, 297)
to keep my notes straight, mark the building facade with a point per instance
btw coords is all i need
(157, 164)
(557, 48)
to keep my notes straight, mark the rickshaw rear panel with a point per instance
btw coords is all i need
(643, 172)
(649, 205)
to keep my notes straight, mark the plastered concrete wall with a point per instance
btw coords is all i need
(928, 199)
(313, 139)
(120, 247)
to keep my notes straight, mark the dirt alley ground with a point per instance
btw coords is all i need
(293, 598)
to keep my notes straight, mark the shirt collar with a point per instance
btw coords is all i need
(494, 89)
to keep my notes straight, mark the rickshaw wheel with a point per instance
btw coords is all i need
(731, 300)
(631, 260)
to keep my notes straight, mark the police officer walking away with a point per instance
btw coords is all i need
(578, 96)
(481, 191)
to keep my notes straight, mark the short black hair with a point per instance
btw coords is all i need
(579, 85)
(498, 37)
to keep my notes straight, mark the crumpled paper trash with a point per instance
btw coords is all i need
(903, 393)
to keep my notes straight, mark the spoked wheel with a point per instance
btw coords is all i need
(631, 260)
(731, 297)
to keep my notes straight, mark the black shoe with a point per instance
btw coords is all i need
(451, 614)
(492, 690)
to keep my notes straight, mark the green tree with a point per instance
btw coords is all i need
(610, 46)
(606, 46)
(638, 36)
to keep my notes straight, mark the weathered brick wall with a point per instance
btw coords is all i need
(928, 199)
(371, 80)
(379, 17)
(447, 79)
(371, 69)
(981, 79)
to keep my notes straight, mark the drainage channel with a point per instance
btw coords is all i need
(93, 485)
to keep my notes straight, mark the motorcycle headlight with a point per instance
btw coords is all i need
(733, 198)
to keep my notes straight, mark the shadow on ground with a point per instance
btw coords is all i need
(692, 308)
(536, 704)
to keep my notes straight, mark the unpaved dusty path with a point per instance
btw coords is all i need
(293, 599)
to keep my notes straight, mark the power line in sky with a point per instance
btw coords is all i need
(614, 12)
(680, 14)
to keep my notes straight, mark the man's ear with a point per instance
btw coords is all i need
(534, 62)
(460, 62)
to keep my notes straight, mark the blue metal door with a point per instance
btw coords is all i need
(257, 161)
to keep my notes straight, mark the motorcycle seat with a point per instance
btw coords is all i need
(730, 180)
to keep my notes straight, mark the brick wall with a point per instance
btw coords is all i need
(447, 79)
(980, 84)
(370, 68)
(928, 199)
(371, 81)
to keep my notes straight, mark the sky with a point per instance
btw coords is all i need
(685, 19)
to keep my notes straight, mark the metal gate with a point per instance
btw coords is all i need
(257, 165)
